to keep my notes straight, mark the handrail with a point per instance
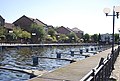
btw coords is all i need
(103, 70)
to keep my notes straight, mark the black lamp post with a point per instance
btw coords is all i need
(116, 11)
(119, 37)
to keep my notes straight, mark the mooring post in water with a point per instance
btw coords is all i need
(35, 60)
(58, 54)
(91, 49)
(72, 53)
(95, 48)
(87, 49)
(18, 47)
(81, 51)
(1, 48)
(31, 47)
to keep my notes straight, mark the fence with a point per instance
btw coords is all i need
(103, 70)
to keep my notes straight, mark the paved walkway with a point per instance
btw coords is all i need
(116, 72)
(74, 71)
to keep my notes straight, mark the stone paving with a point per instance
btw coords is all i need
(116, 72)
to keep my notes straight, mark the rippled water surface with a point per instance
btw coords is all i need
(22, 59)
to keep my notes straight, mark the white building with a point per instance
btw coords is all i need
(107, 38)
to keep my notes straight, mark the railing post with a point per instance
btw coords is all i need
(101, 62)
(93, 74)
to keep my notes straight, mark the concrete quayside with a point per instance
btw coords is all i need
(74, 71)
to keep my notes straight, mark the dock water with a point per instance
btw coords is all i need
(74, 71)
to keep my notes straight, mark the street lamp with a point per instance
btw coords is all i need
(116, 11)
(119, 36)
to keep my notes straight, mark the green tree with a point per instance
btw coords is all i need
(21, 35)
(3, 32)
(26, 34)
(39, 30)
(51, 32)
(63, 38)
(18, 32)
(116, 37)
(11, 37)
(73, 37)
(94, 38)
(86, 37)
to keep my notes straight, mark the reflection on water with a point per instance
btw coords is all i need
(22, 59)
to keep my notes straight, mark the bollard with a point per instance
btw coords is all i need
(91, 49)
(95, 48)
(1, 48)
(72, 53)
(58, 55)
(87, 50)
(35, 60)
(31, 47)
(81, 51)
(18, 47)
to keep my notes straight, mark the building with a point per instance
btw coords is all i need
(78, 32)
(8, 26)
(25, 23)
(106, 38)
(63, 30)
(2, 21)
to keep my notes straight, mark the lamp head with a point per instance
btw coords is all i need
(106, 11)
(117, 10)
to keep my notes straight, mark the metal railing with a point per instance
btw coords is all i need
(103, 70)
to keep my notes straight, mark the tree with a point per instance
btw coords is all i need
(94, 38)
(3, 32)
(18, 32)
(40, 32)
(51, 32)
(86, 37)
(116, 37)
(63, 38)
(22, 35)
(26, 34)
(11, 36)
(73, 37)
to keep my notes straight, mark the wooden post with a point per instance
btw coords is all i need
(81, 51)
(95, 48)
(35, 60)
(58, 55)
(87, 49)
(72, 53)
(1, 48)
(91, 49)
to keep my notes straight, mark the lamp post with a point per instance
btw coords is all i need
(116, 11)
(119, 36)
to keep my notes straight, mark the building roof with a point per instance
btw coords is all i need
(37, 21)
(76, 30)
(9, 25)
(1, 17)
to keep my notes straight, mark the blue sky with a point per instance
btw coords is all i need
(87, 15)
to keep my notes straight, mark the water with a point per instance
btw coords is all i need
(22, 59)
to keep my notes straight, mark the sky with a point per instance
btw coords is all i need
(87, 15)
